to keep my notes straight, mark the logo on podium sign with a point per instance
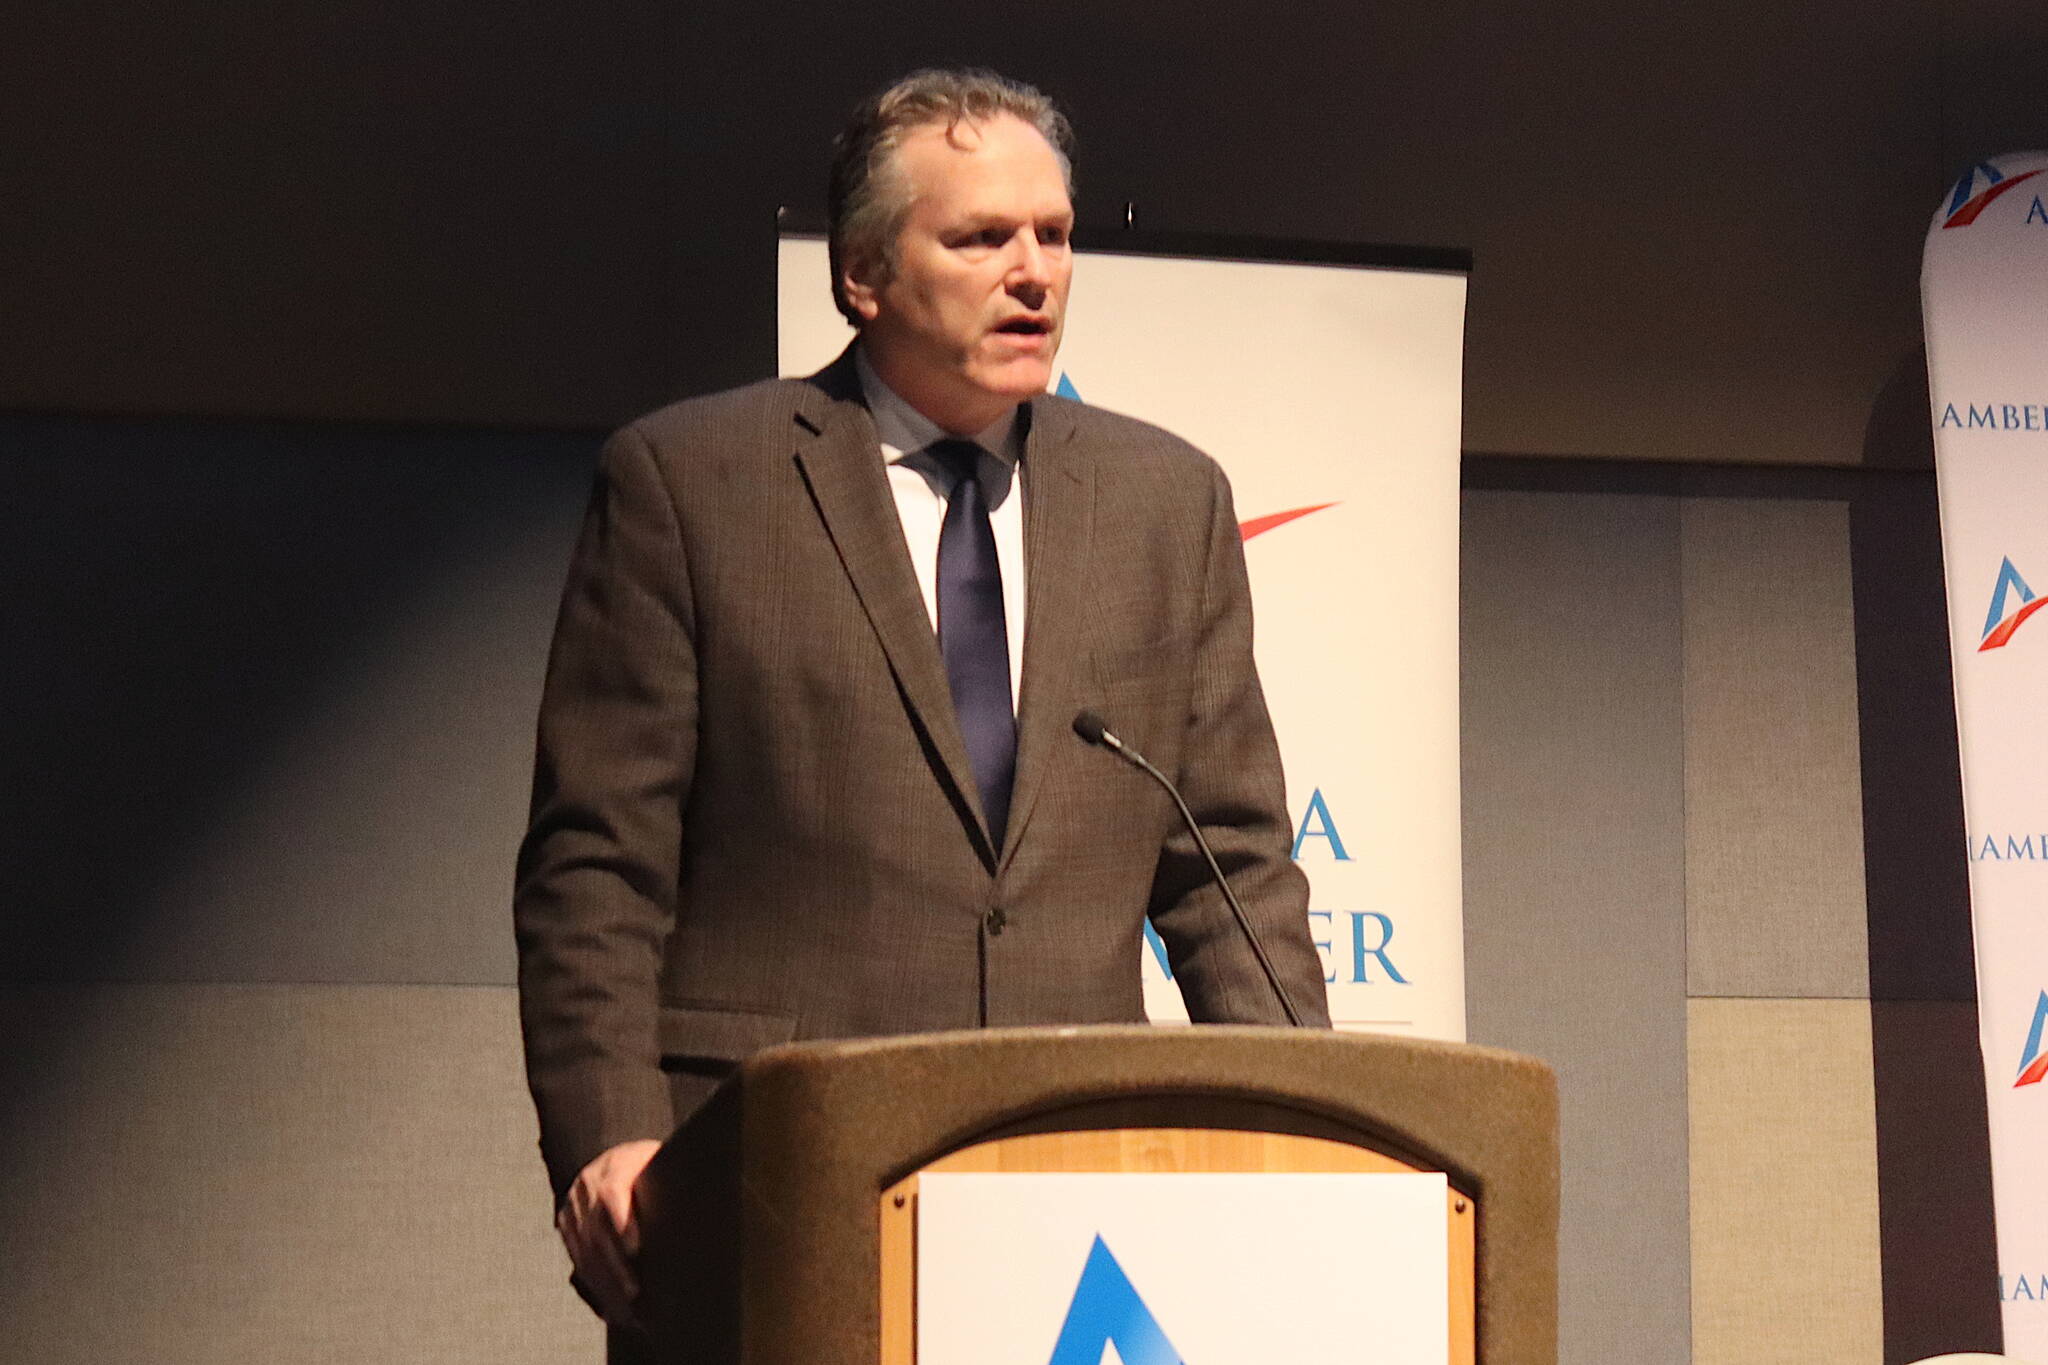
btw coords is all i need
(1107, 1311)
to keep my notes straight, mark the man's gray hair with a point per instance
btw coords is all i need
(867, 201)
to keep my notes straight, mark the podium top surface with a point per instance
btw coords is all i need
(1454, 1107)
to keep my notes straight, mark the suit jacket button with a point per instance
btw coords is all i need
(996, 920)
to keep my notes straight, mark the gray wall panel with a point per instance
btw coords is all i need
(214, 1175)
(1773, 784)
(1574, 892)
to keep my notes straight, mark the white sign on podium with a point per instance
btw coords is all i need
(1143, 1269)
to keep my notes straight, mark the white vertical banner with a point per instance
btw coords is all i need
(1331, 396)
(1984, 292)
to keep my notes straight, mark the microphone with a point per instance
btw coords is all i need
(1096, 731)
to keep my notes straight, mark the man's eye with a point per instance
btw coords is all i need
(1052, 236)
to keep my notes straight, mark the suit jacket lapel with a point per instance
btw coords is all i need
(1059, 506)
(839, 455)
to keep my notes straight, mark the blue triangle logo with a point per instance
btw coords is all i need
(1066, 389)
(1969, 182)
(1106, 1312)
(2008, 580)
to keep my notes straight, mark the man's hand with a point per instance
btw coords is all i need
(599, 1228)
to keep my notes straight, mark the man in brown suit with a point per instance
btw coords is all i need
(771, 802)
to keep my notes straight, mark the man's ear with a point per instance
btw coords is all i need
(861, 284)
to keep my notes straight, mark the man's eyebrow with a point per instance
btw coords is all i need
(976, 222)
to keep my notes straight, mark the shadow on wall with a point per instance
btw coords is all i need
(1899, 434)
(269, 695)
(1934, 1176)
(191, 602)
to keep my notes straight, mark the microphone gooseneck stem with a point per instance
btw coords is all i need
(1091, 728)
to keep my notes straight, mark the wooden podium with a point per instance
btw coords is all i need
(780, 1221)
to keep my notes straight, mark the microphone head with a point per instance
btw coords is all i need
(1090, 727)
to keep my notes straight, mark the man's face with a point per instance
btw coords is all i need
(967, 323)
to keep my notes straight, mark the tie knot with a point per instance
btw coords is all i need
(960, 459)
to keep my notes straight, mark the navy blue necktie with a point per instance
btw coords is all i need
(973, 635)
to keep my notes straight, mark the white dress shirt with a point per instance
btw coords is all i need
(921, 487)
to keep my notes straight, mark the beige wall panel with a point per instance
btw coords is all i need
(311, 1174)
(1773, 787)
(1785, 1252)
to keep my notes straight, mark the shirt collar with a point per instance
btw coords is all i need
(905, 431)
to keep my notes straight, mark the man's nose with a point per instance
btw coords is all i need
(1031, 271)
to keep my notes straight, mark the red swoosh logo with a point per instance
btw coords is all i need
(1967, 214)
(1997, 638)
(1258, 526)
(2033, 1074)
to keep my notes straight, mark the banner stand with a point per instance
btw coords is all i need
(1984, 292)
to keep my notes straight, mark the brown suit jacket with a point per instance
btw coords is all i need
(754, 818)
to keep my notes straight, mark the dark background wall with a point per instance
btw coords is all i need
(313, 316)
(1697, 228)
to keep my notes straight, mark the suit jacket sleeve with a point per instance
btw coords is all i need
(1231, 776)
(597, 879)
